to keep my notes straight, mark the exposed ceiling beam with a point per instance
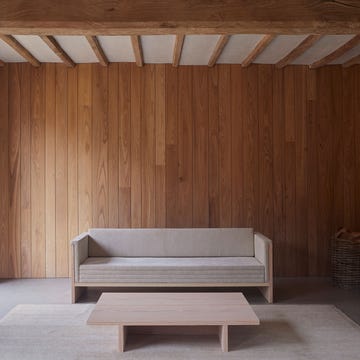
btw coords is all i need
(136, 17)
(99, 52)
(11, 41)
(136, 45)
(306, 44)
(258, 49)
(219, 47)
(353, 61)
(337, 53)
(58, 50)
(179, 42)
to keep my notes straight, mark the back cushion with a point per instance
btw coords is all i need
(171, 242)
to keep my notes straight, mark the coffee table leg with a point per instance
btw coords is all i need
(122, 337)
(223, 336)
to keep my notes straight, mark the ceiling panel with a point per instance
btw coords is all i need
(197, 49)
(117, 48)
(7, 54)
(279, 48)
(78, 48)
(157, 48)
(237, 48)
(326, 45)
(37, 47)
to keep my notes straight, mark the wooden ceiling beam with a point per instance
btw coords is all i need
(306, 44)
(179, 42)
(136, 45)
(99, 52)
(219, 47)
(353, 61)
(58, 50)
(143, 17)
(258, 49)
(11, 41)
(337, 53)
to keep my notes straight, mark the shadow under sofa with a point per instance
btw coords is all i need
(196, 257)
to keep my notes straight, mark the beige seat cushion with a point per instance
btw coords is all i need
(172, 270)
(171, 242)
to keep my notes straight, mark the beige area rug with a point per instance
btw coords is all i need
(286, 332)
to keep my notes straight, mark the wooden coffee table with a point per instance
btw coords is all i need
(173, 309)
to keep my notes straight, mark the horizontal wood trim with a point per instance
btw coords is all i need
(140, 17)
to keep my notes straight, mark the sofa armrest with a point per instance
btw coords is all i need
(263, 253)
(80, 252)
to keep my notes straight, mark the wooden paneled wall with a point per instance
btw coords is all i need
(192, 146)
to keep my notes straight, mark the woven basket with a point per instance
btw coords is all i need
(345, 259)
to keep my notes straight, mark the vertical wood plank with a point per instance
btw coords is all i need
(160, 116)
(38, 253)
(214, 173)
(148, 147)
(72, 158)
(4, 178)
(136, 163)
(300, 246)
(349, 133)
(312, 181)
(85, 146)
(266, 210)
(249, 139)
(113, 157)
(290, 170)
(278, 169)
(237, 152)
(61, 172)
(225, 145)
(25, 166)
(100, 196)
(201, 142)
(50, 169)
(325, 166)
(171, 156)
(14, 170)
(124, 145)
(185, 149)
(356, 112)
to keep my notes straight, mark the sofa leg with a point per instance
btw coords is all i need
(76, 292)
(267, 292)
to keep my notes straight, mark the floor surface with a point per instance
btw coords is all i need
(287, 291)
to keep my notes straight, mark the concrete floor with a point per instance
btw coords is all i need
(287, 291)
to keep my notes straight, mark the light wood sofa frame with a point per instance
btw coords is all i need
(263, 247)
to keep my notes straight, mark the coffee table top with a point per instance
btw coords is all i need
(141, 309)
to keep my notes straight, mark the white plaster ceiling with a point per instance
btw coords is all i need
(117, 48)
(197, 49)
